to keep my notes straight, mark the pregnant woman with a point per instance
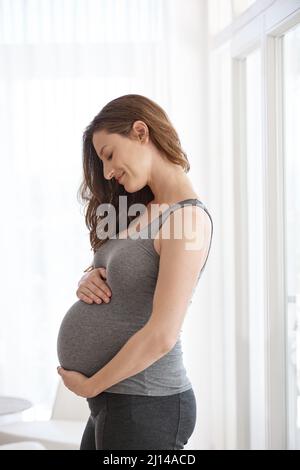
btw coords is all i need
(119, 345)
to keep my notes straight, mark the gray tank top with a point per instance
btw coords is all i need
(92, 334)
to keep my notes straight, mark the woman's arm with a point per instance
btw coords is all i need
(141, 350)
(181, 260)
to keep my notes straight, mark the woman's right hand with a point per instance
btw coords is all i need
(92, 288)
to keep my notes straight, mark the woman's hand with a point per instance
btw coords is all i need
(92, 287)
(76, 382)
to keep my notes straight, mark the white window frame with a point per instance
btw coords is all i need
(262, 25)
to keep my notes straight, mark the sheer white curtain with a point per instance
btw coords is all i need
(61, 61)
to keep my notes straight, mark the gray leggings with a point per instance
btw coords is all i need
(122, 421)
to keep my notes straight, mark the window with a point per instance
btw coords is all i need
(256, 275)
(258, 352)
(292, 226)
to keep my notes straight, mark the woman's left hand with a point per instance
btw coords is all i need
(76, 382)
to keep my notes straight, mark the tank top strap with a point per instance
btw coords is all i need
(157, 223)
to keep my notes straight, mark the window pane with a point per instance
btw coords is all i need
(292, 221)
(256, 292)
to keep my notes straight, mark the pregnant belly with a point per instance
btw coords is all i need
(90, 335)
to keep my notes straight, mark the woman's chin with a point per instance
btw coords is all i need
(125, 184)
(130, 188)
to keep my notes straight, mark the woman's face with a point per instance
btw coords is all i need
(124, 157)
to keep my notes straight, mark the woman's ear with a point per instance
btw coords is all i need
(140, 131)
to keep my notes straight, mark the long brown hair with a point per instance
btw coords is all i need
(117, 117)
